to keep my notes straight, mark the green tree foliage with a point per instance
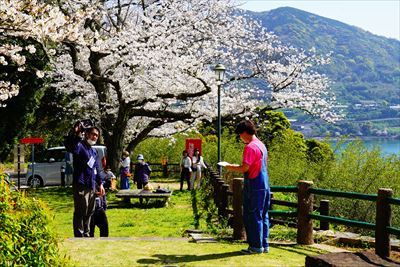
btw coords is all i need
(271, 124)
(362, 170)
(26, 239)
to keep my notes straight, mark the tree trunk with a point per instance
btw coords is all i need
(115, 141)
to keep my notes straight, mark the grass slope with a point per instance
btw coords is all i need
(148, 235)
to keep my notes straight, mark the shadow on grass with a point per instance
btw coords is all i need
(178, 259)
(135, 204)
(172, 259)
(294, 248)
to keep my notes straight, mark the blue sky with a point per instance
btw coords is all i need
(378, 17)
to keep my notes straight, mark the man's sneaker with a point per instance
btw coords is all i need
(251, 251)
(266, 250)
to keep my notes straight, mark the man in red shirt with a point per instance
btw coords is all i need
(256, 191)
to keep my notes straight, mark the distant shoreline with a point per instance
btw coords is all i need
(352, 138)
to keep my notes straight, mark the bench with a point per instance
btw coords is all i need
(144, 194)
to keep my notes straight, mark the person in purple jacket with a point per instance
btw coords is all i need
(142, 173)
(86, 175)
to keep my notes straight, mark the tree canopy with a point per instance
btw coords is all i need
(146, 67)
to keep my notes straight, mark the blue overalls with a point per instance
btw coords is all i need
(256, 200)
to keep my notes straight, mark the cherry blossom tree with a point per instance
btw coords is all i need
(45, 24)
(147, 68)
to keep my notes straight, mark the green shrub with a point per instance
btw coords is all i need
(362, 170)
(25, 237)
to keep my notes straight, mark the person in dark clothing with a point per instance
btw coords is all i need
(86, 175)
(186, 169)
(142, 173)
(99, 217)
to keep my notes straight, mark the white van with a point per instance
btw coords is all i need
(55, 160)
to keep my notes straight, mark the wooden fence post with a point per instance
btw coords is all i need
(304, 207)
(224, 201)
(382, 220)
(165, 170)
(324, 210)
(238, 227)
(214, 180)
(271, 207)
(220, 182)
(217, 191)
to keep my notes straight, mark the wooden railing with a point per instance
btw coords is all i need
(166, 169)
(306, 211)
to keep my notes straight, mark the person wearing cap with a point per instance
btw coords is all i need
(86, 175)
(142, 173)
(124, 170)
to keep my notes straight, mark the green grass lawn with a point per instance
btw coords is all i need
(125, 220)
(136, 252)
(151, 234)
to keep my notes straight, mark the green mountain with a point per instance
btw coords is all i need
(364, 66)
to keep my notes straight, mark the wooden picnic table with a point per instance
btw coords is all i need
(140, 193)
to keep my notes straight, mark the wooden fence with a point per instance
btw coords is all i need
(165, 170)
(306, 211)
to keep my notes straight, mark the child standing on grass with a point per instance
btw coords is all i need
(99, 217)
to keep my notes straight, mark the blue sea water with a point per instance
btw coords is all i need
(387, 146)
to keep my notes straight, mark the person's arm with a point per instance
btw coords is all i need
(202, 163)
(148, 168)
(135, 174)
(71, 143)
(73, 139)
(241, 168)
(248, 155)
(128, 163)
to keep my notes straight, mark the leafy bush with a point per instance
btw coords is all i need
(362, 170)
(26, 239)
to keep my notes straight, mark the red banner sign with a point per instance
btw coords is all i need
(192, 144)
(32, 140)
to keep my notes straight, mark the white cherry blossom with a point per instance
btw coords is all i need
(149, 70)
(146, 67)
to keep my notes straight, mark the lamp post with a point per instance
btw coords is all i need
(219, 72)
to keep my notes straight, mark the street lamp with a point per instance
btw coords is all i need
(219, 72)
